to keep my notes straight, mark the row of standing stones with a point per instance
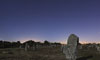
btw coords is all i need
(71, 49)
(36, 47)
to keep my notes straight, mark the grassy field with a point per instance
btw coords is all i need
(45, 54)
(40, 54)
(88, 54)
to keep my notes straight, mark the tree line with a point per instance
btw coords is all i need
(8, 44)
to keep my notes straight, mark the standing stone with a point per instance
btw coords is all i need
(80, 46)
(20, 46)
(26, 47)
(98, 48)
(35, 46)
(62, 47)
(71, 47)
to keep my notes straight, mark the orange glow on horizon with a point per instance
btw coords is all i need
(22, 40)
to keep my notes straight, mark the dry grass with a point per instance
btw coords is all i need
(45, 53)
(89, 54)
(40, 54)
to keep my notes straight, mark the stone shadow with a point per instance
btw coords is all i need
(85, 58)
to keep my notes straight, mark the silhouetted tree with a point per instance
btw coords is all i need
(1, 44)
(30, 43)
(46, 42)
(57, 44)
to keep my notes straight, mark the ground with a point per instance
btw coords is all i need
(88, 54)
(41, 54)
(46, 53)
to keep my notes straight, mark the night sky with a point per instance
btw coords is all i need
(52, 20)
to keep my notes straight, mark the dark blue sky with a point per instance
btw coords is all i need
(52, 20)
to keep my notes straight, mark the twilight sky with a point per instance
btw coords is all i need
(52, 20)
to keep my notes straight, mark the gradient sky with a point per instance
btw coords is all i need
(52, 20)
